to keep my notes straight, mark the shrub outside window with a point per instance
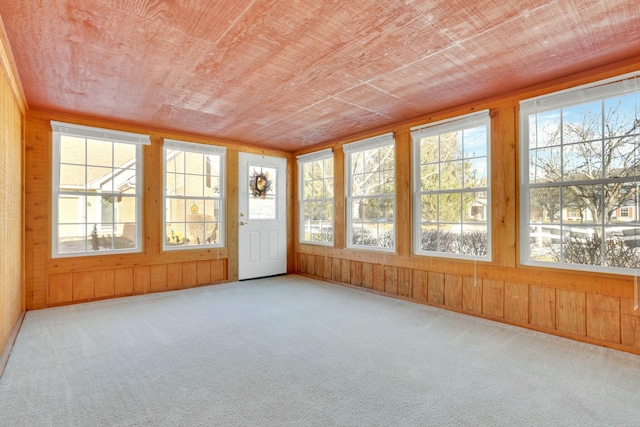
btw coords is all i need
(194, 195)
(315, 198)
(97, 186)
(580, 176)
(371, 193)
(451, 187)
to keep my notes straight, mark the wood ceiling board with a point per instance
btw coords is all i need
(265, 71)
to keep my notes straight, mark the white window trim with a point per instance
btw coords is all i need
(88, 132)
(362, 145)
(457, 123)
(302, 160)
(173, 144)
(565, 98)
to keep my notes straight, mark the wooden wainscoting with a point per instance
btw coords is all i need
(587, 316)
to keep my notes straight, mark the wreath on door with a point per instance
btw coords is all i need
(260, 184)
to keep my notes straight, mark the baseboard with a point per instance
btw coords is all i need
(12, 339)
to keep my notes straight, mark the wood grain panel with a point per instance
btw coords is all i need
(453, 290)
(326, 270)
(391, 280)
(403, 192)
(204, 272)
(338, 200)
(378, 277)
(472, 294)
(60, 288)
(232, 215)
(493, 297)
(141, 279)
(542, 306)
(83, 285)
(318, 266)
(356, 273)
(189, 274)
(571, 313)
(158, 278)
(218, 270)
(603, 318)
(123, 278)
(516, 302)
(405, 276)
(420, 289)
(174, 276)
(345, 271)
(367, 275)
(336, 269)
(630, 323)
(104, 281)
(436, 288)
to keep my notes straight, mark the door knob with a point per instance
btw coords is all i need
(243, 223)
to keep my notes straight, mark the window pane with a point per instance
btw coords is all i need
(194, 163)
(475, 173)
(72, 238)
(449, 208)
(475, 142)
(194, 185)
(544, 205)
(99, 153)
(582, 122)
(582, 161)
(429, 150)
(581, 245)
(545, 165)
(72, 178)
(429, 208)
(544, 129)
(72, 150)
(451, 175)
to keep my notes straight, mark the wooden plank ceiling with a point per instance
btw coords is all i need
(292, 73)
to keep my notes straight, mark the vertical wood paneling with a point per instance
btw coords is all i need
(391, 280)
(542, 306)
(436, 288)
(189, 274)
(630, 323)
(472, 294)
(104, 283)
(174, 276)
(603, 318)
(367, 275)
(420, 290)
(493, 297)
(141, 279)
(336, 269)
(356, 273)
(571, 313)
(378, 277)
(152, 197)
(232, 215)
(453, 290)
(516, 302)
(345, 275)
(204, 272)
(83, 285)
(327, 268)
(218, 270)
(318, 264)
(503, 186)
(60, 288)
(338, 200)
(158, 278)
(405, 282)
(123, 278)
(403, 192)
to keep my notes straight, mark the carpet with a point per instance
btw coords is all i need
(295, 351)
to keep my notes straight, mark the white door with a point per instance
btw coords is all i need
(262, 225)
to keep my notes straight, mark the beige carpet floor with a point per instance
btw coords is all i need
(293, 351)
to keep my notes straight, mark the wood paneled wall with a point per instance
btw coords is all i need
(56, 281)
(595, 308)
(12, 109)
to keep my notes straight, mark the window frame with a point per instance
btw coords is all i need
(349, 150)
(454, 124)
(598, 91)
(60, 129)
(204, 149)
(307, 159)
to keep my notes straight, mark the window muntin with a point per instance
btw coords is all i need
(371, 193)
(451, 188)
(315, 197)
(194, 195)
(580, 173)
(97, 185)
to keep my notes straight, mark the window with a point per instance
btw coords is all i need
(579, 173)
(194, 195)
(97, 183)
(315, 197)
(451, 187)
(371, 193)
